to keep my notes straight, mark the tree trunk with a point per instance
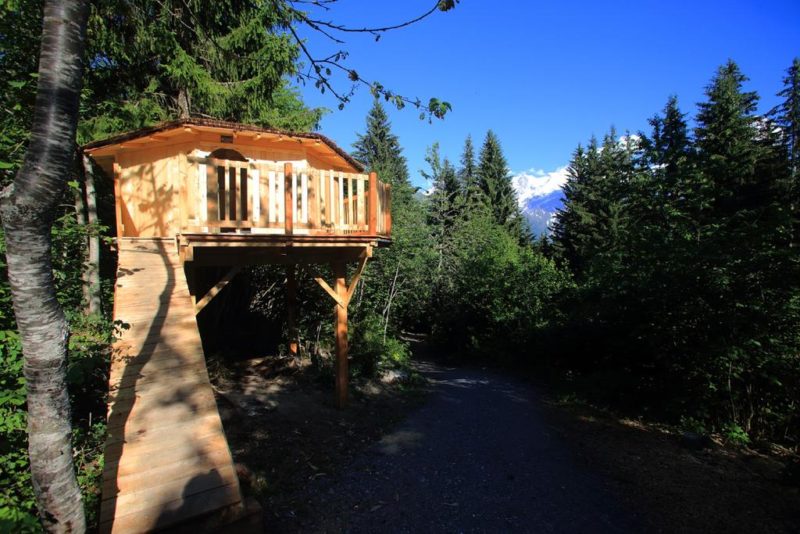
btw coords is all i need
(27, 207)
(93, 265)
(80, 218)
(184, 104)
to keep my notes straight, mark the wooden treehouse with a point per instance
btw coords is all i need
(193, 194)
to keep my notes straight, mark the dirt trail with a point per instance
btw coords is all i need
(478, 457)
(482, 452)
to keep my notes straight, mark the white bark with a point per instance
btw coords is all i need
(27, 207)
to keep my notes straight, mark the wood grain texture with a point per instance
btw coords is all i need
(167, 459)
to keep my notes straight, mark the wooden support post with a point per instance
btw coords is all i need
(339, 273)
(373, 203)
(291, 308)
(288, 210)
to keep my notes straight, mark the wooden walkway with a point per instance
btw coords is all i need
(167, 462)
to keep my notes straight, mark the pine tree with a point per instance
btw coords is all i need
(467, 173)
(177, 58)
(379, 149)
(588, 222)
(726, 138)
(741, 257)
(787, 115)
(667, 150)
(444, 200)
(398, 286)
(494, 184)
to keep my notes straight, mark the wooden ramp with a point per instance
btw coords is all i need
(167, 462)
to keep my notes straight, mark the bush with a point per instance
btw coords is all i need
(87, 380)
(372, 352)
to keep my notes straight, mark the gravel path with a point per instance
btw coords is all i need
(478, 456)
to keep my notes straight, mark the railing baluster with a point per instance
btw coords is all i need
(361, 211)
(247, 206)
(350, 200)
(254, 177)
(279, 198)
(341, 201)
(314, 199)
(333, 199)
(232, 194)
(212, 186)
(293, 180)
(304, 198)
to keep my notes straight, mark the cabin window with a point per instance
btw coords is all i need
(227, 153)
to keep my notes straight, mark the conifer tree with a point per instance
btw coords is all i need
(741, 256)
(667, 150)
(574, 228)
(787, 115)
(467, 173)
(379, 149)
(726, 137)
(173, 59)
(444, 199)
(494, 184)
(398, 286)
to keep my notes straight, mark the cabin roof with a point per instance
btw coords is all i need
(225, 125)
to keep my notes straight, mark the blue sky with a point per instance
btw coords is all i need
(547, 75)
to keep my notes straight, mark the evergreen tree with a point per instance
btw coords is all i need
(444, 199)
(467, 173)
(398, 285)
(726, 137)
(667, 150)
(577, 225)
(787, 115)
(379, 149)
(494, 184)
(157, 60)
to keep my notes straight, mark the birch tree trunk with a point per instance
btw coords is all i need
(80, 218)
(27, 207)
(93, 265)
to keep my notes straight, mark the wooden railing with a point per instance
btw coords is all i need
(228, 195)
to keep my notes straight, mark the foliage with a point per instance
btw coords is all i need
(227, 60)
(372, 352)
(681, 249)
(87, 380)
(495, 296)
(494, 183)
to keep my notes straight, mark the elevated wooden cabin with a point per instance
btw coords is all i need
(190, 194)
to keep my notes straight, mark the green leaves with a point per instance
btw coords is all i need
(438, 108)
(682, 252)
(447, 5)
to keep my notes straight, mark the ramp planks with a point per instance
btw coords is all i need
(167, 461)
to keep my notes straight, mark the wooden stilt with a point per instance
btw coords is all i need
(291, 308)
(339, 273)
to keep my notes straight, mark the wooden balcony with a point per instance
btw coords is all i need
(274, 213)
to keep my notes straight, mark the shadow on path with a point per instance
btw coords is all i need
(477, 457)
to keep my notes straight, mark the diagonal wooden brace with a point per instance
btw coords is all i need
(343, 301)
(214, 291)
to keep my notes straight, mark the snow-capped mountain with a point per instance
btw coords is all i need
(539, 194)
